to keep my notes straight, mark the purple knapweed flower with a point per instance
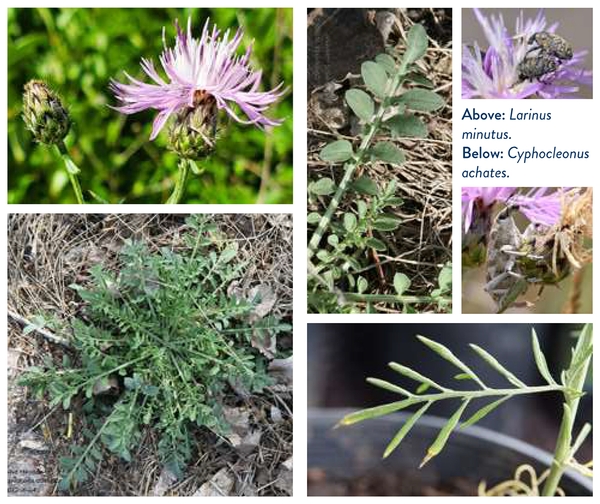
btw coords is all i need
(494, 72)
(199, 71)
(540, 205)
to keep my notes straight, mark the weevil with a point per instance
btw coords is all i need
(506, 244)
(551, 44)
(537, 67)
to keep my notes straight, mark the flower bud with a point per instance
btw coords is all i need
(193, 133)
(44, 114)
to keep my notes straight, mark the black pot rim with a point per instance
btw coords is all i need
(488, 436)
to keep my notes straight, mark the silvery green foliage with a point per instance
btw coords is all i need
(157, 345)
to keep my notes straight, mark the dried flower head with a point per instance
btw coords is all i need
(200, 73)
(508, 68)
(44, 114)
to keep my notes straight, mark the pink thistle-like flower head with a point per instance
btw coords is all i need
(199, 71)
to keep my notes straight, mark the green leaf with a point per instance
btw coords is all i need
(491, 360)
(482, 412)
(361, 284)
(540, 360)
(416, 44)
(337, 152)
(314, 217)
(387, 223)
(229, 253)
(389, 386)
(404, 430)
(376, 244)
(388, 153)
(442, 438)
(377, 411)
(349, 222)
(322, 187)
(414, 375)
(406, 126)
(446, 354)
(401, 283)
(365, 185)
(422, 100)
(445, 278)
(424, 387)
(361, 104)
(375, 78)
(387, 62)
(420, 80)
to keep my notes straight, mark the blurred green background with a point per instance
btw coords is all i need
(77, 51)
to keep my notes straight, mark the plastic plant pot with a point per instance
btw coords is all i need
(472, 454)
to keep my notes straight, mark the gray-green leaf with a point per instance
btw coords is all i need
(421, 99)
(337, 152)
(365, 185)
(491, 360)
(386, 223)
(360, 103)
(387, 62)
(540, 360)
(322, 187)
(401, 434)
(375, 78)
(406, 125)
(480, 413)
(388, 153)
(401, 283)
(416, 42)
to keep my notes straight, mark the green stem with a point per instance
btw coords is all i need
(72, 171)
(489, 392)
(352, 165)
(389, 298)
(576, 380)
(184, 171)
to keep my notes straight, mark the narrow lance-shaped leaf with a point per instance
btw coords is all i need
(446, 354)
(581, 437)
(337, 152)
(377, 411)
(360, 103)
(416, 42)
(414, 375)
(540, 360)
(442, 438)
(404, 430)
(389, 386)
(491, 360)
(482, 412)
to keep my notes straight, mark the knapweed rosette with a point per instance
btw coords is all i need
(494, 72)
(204, 74)
(44, 114)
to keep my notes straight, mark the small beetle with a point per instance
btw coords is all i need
(536, 67)
(551, 44)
